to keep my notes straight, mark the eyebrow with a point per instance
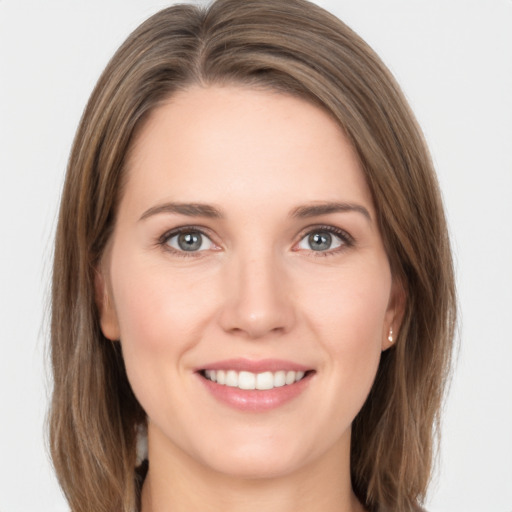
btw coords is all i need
(325, 208)
(211, 212)
(188, 209)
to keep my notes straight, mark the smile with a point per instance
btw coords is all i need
(255, 386)
(248, 380)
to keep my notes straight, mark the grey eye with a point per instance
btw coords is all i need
(190, 241)
(320, 240)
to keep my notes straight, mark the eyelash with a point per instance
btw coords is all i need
(346, 238)
(163, 241)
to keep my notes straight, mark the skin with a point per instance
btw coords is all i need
(256, 290)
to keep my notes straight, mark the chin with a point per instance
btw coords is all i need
(273, 456)
(255, 466)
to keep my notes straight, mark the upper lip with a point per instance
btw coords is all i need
(255, 366)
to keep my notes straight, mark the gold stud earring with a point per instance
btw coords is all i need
(390, 336)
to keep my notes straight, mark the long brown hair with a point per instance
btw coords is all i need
(294, 47)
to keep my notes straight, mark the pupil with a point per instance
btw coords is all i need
(189, 241)
(320, 241)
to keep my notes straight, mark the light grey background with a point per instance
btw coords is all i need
(454, 61)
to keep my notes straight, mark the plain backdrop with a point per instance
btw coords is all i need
(453, 59)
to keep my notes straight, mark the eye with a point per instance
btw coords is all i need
(324, 240)
(189, 241)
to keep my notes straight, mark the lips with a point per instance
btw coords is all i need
(255, 386)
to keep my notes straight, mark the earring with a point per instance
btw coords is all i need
(141, 444)
(390, 336)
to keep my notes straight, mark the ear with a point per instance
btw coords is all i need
(394, 314)
(108, 316)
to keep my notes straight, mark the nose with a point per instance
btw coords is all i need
(258, 299)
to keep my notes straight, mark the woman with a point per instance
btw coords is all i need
(252, 264)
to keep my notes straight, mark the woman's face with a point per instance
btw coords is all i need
(246, 250)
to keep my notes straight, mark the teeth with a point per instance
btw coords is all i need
(246, 380)
(232, 378)
(279, 379)
(265, 380)
(249, 380)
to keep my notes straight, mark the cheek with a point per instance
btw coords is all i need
(159, 323)
(355, 298)
(160, 320)
(155, 310)
(348, 314)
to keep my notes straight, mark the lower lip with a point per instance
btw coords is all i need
(255, 400)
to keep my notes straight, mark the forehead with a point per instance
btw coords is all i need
(218, 144)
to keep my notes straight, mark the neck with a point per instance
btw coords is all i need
(176, 482)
